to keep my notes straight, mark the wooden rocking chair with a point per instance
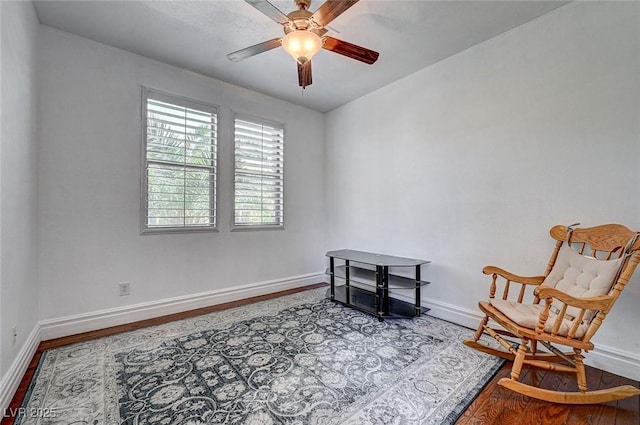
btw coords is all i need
(568, 305)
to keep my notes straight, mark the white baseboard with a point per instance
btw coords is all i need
(623, 363)
(454, 314)
(71, 325)
(12, 378)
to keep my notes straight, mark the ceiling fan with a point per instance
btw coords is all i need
(305, 35)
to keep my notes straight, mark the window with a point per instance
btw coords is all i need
(179, 187)
(259, 178)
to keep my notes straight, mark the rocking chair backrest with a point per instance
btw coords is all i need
(606, 242)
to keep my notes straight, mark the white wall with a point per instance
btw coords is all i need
(18, 180)
(90, 168)
(469, 162)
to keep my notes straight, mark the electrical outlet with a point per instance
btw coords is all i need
(14, 335)
(125, 288)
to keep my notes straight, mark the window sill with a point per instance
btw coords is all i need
(177, 230)
(250, 228)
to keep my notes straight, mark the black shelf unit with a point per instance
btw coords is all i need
(368, 289)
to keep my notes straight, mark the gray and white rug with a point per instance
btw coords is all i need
(294, 360)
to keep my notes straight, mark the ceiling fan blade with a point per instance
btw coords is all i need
(350, 50)
(253, 50)
(270, 10)
(304, 74)
(330, 10)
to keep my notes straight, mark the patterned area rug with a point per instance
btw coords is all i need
(294, 360)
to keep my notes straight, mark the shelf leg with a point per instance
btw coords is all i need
(418, 278)
(379, 293)
(347, 288)
(332, 278)
(385, 289)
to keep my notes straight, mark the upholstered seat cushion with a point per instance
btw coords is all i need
(527, 315)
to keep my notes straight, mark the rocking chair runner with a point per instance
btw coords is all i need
(570, 301)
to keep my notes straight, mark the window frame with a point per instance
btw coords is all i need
(256, 227)
(178, 100)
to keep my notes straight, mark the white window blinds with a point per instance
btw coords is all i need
(259, 173)
(180, 164)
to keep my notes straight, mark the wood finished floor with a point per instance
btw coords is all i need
(496, 405)
(493, 406)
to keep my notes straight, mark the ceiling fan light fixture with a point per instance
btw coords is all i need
(302, 45)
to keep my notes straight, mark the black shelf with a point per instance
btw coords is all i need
(375, 258)
(368, 277)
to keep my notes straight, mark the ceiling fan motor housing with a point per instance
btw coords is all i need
(299, 20)
(302, 4)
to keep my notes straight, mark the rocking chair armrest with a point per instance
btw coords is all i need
(600, 302)
(527, 280)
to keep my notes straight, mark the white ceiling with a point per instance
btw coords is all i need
(197, 35)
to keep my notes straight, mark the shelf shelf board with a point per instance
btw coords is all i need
(375, 258)
(368, 277)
